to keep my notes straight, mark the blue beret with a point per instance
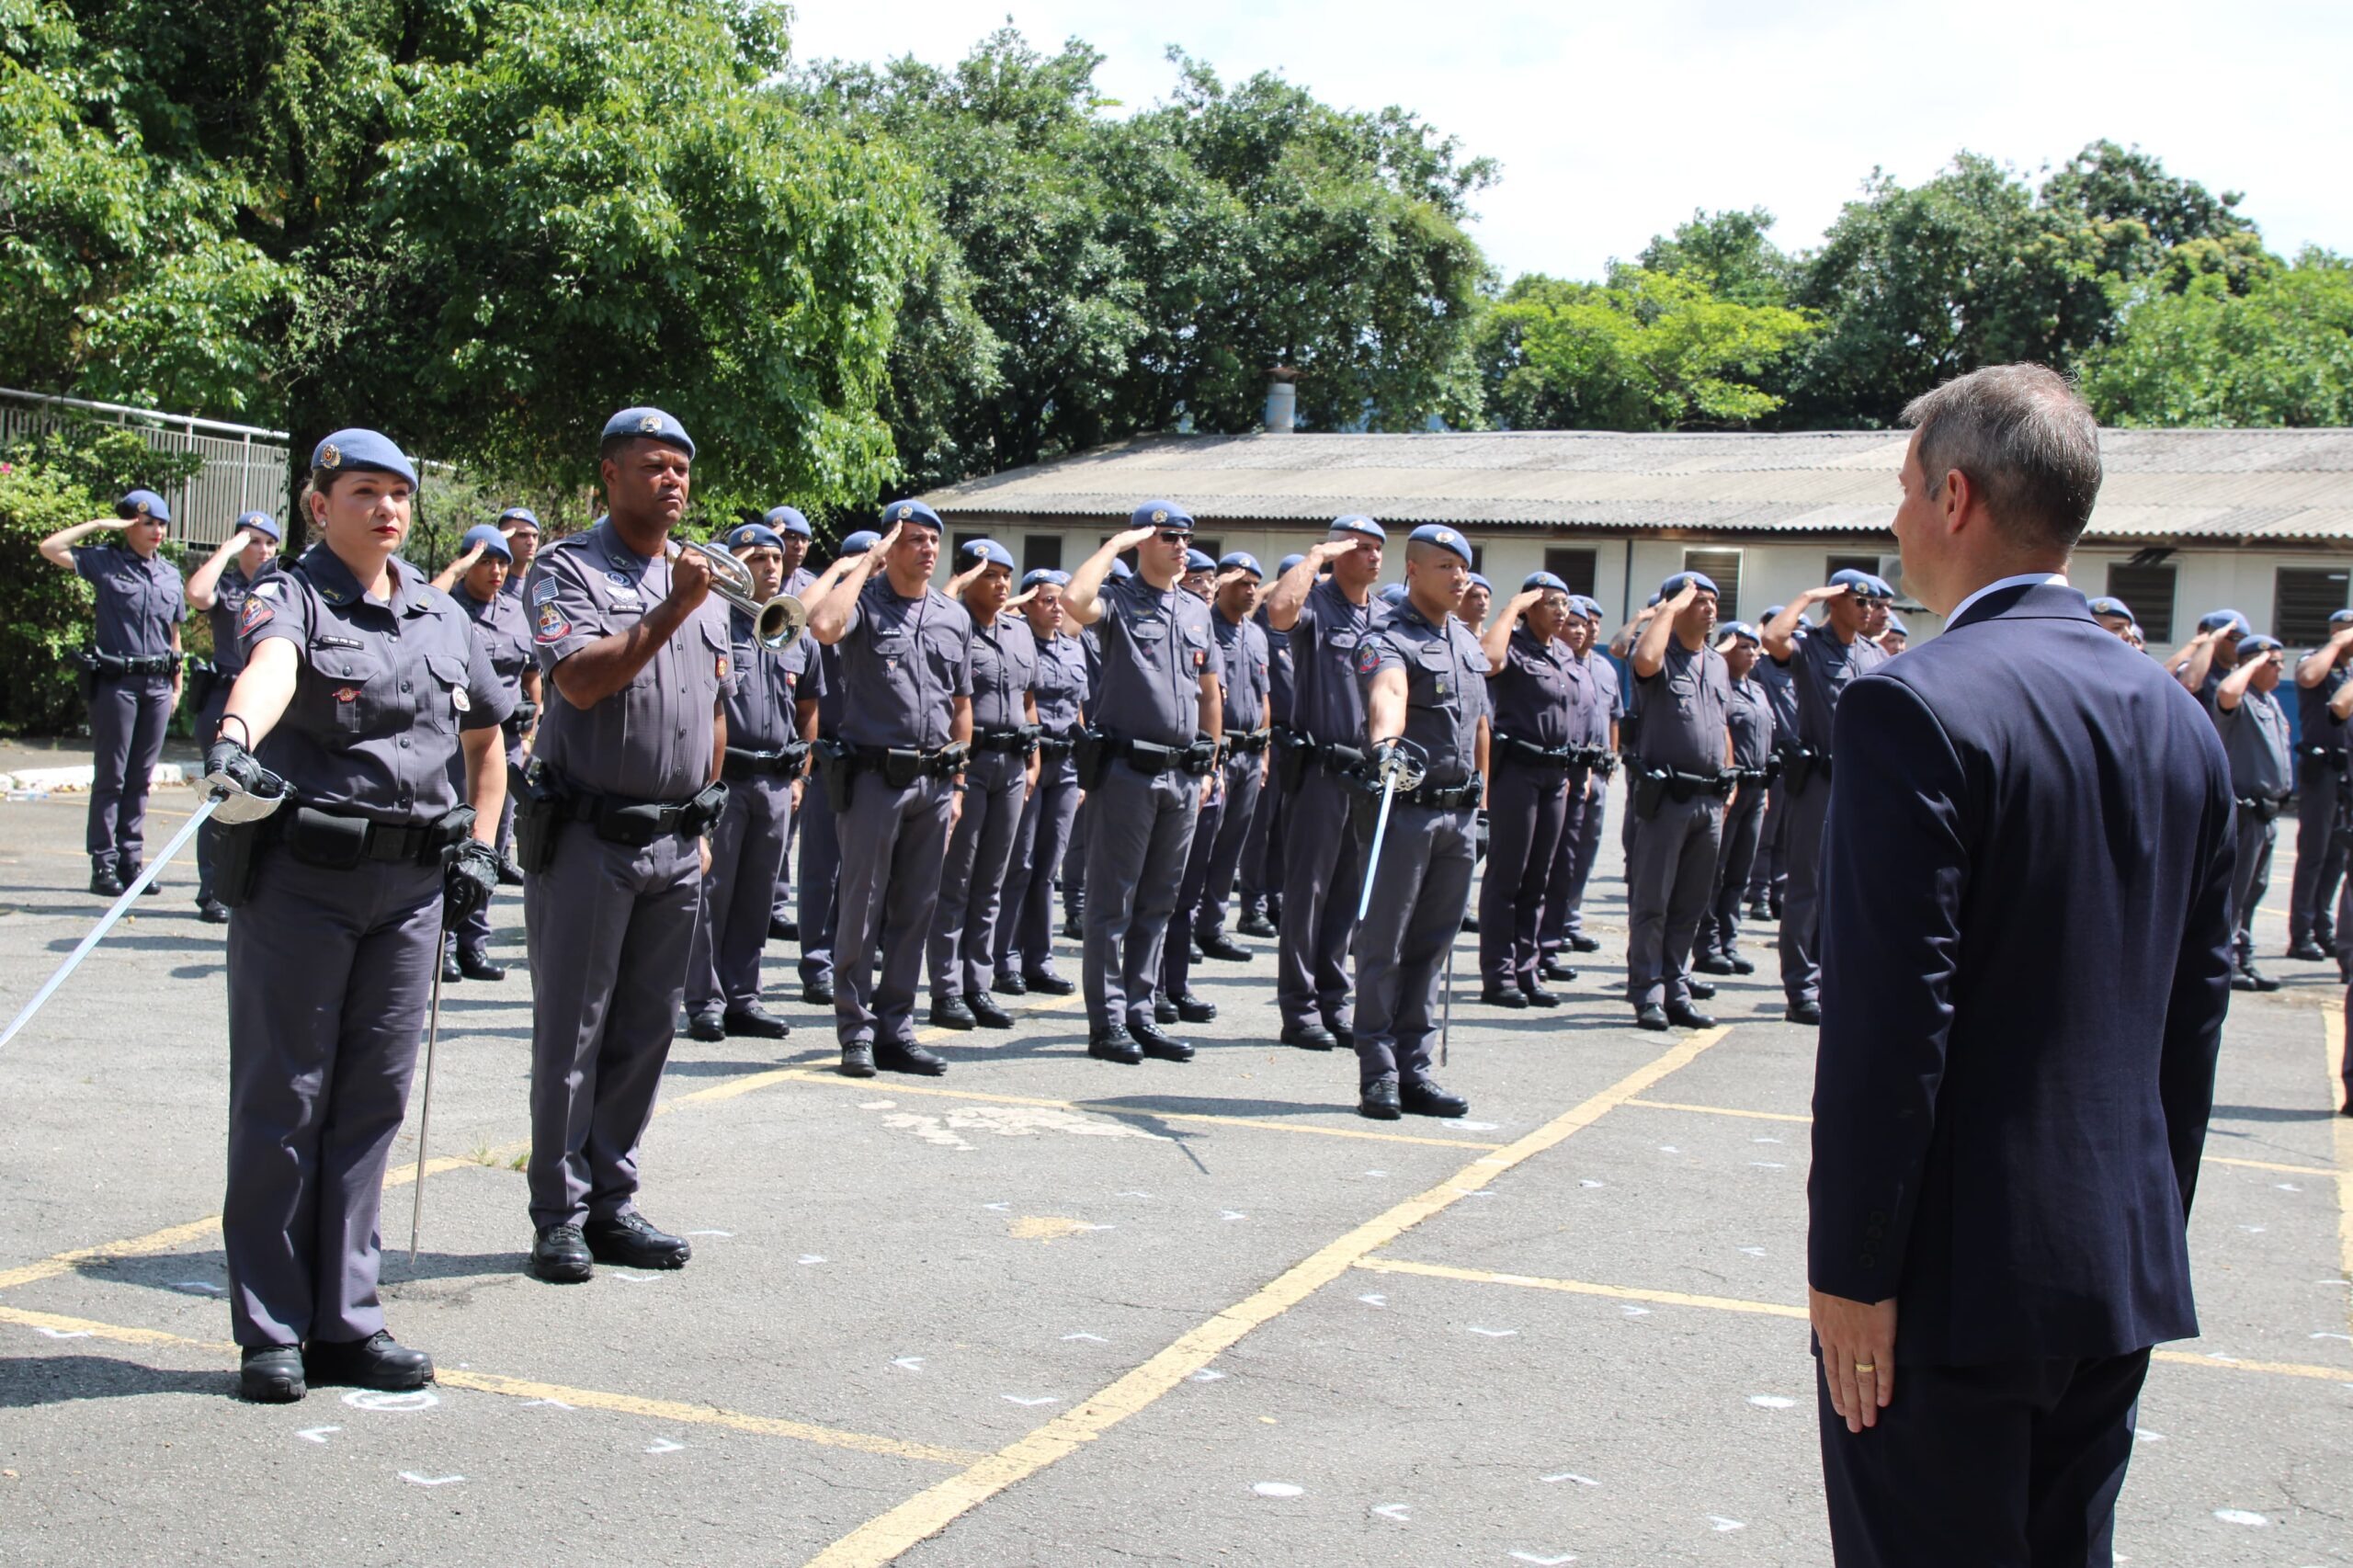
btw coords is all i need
(1288, 562)
(358, 451)
(493, 542)
(1771, 611)
(143, 504)
(1243, 559)
(520, 517)
(2340, 617)
(914, 512)
(1161, 515)
(1586, 606)
(1119, 569)
(651, 422)
(2220, 619)
(1479, 582)
(1358, 523)
(1654, 601)
(1886, 591)
(260, 523)
(1739, 629)
(2107, 604)
(2254, 645)
(1859, 584)
(1895, 624)
(1675, 585)
(1393, 593)
(1047, 574)
(860, 542)
(1198, 561)
(986, 549)
(1548, 582)
(787, 521)
(1444, 538)
(754, 536)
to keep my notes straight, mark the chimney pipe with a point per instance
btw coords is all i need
(1282, 401)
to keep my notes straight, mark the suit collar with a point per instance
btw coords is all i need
(2038, 600)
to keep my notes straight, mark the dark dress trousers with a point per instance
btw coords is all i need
(2026, 960)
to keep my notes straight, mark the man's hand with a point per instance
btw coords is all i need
(1682, 600)
(1333, 549)
(1520, 602)
(955, 808)
(702, 854)
(965, 579)
(1857, 1355)
(230, 768)
(689, 580)
(468, 878)
(465, 563)
(1122, 543)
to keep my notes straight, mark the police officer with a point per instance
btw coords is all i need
(1563, 925)
(1153, 743)
(1768, 875)
(220, 588)
(1323, 849)
(361, 685)
(771, 721)
(2211, 653)
(1896, 637)
(1536, 693)
(1830, 657)
(1242, 770)
(134, 673)
(995, 789)
(623, 787)
(2114, 615)
(793, 530)
(1680, 793)
(2320, 783)
(1260, 874)
(906, 665)
(1025, 958)
(2253, 728)
(821, 850)
(1090, 647)
(1477, 600)
(1424, 684)
(1200, 575)
(504, 632)
(519, 526)
(1750, 717)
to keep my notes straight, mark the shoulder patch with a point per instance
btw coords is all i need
(270, 588)
(259, 612)
(552, 626)
(547, 589)
(1367, 656)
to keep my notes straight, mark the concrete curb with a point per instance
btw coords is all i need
(66, 780)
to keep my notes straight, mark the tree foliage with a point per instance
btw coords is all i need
(2278, 351)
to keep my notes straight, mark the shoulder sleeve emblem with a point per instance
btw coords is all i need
(547, 589)
(1367, 656)
(259, 612)
(553, 627)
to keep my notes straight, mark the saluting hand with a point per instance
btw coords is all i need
(1122, 543)
(1333, 549)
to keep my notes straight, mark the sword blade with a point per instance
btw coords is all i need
(1379, 831)
(425, 1106)
(130, 895)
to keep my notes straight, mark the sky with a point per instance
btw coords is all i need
(1613, 124)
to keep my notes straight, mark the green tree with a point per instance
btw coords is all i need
(1646, 351)
(2280, 352)
(1732, 253)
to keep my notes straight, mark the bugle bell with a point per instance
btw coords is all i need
(777, 622)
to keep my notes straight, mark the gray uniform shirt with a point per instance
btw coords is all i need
(2313, 721)
(1820, 669)
(1005, 666)
(653, 739)
(1279, 670)
(1446, 686)
(228, 597)
(2254, 738)
(1249, 672)
(1751, 716)
(1780, 696)
(140, 600)
(382, 688)
(504, 635)
(1061, 682)
(763, 714)
(1156, 647)
(1326, 699)
(1685, 709)
(1605, 702)
(1538, 692)
(904, 662)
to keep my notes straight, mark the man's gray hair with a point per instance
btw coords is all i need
(2027, 442)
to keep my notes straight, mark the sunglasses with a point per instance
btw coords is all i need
(1176, 536)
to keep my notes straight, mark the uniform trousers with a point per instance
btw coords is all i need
(1580, 847)
(1244, 783)
(1528, 807)
(1260, 871)
(1177, 945)
(972, 880)
(2250, 879)
(472, 932)
(1074, 868)
(607, 928)
(892, 844)
(330, 973)
(1670, 877)
(128, 717)
(1419, 891)
(786, 904)
(820, 873)
(1026, 932)
(1800, 935)
(1140, 831)
(1323, 850)
(1630, 827)
(731, 922)
(2014, 1464)
(208, 837)
(1768, 875)
(2320, 859)
(1719, 935)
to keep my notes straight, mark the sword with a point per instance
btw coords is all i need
(424, 1106)
(130, 895)
(1399, 765)
(1446, 1003)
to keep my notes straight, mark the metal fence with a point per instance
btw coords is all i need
(244, 467)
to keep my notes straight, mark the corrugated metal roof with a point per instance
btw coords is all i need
(2278, 484)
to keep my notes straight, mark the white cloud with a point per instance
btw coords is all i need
(1613, 122)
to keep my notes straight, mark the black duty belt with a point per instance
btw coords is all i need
(2327, 757)
(1021, 740)
(1334, 757)
(902, 766)
(1053, 745)
(2263, 808)
(1682, 786)
(743, 762)
(1446, 797)
(1248, 742)
(624, 819)
(108, 666)
(525, 715)
(1150, 757)
(339, 841)
(1527, 754)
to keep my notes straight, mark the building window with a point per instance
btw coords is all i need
(1832, 565)
(1479, 559)
(2149, 591)
(2303, 599)
(1574, 567)
(1212, 548)
(1040, 552)
(1721, 567)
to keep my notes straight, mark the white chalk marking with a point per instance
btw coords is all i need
(67, 1333)
(1207, 1375)
(999, 1208)
(2240, 1516)
(1724, 1526)
(1754, 1252)
(1396, 1511)
(809, 1257)
(1043, 1399)
(1588, 1181)
(1764, 1138)
(1376, 1175)
(1769, 1164)
(2287, 1186)
(1492, 1333)
(729, 1234)
(633, 1279)
(2326, 1335)
(1277, 1489)
(1374, 1299)
(1472, 1126)
(878, 1104)
(1232, 1214)
(1545, 1562)
(316, 1434)
(664, 1446)
(2142, 1435)
(555, 1404)
(375, 1399)
(1632, 1310)
(1092, 1339)
(1771, 1400)
(2255, 1230)
(412, 1477)
(209, 1290)
(909, 1363)
(1571, 1475)
(1132, 1193)
(1668, 1149)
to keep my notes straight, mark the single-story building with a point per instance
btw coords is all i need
(2188, 521)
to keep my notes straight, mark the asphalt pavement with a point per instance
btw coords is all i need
(1048, 1310)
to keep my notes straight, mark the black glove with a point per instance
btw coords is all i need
(467, 879)
(233, 767)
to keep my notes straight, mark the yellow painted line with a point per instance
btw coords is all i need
(1132, 1113)
(521, 1388)
(137, 1247)
(888, 1535)
(2332, 1036)
(2276, 1368)
(1718, 1110)
(2265, 1166)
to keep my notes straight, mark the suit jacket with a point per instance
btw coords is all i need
(2025, 962)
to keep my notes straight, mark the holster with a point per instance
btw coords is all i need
(2261, 808)
(519, 724)
(836, 772)
(1200, 758)
(1650, 789)
(1091, 754)
(539, 817)
(237, 858)
(203, 675)
(1294, 751)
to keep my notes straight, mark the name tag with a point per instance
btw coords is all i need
(1147, 630)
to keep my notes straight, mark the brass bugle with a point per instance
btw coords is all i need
(777, 622)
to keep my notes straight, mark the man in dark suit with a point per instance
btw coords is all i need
(2026, 940)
